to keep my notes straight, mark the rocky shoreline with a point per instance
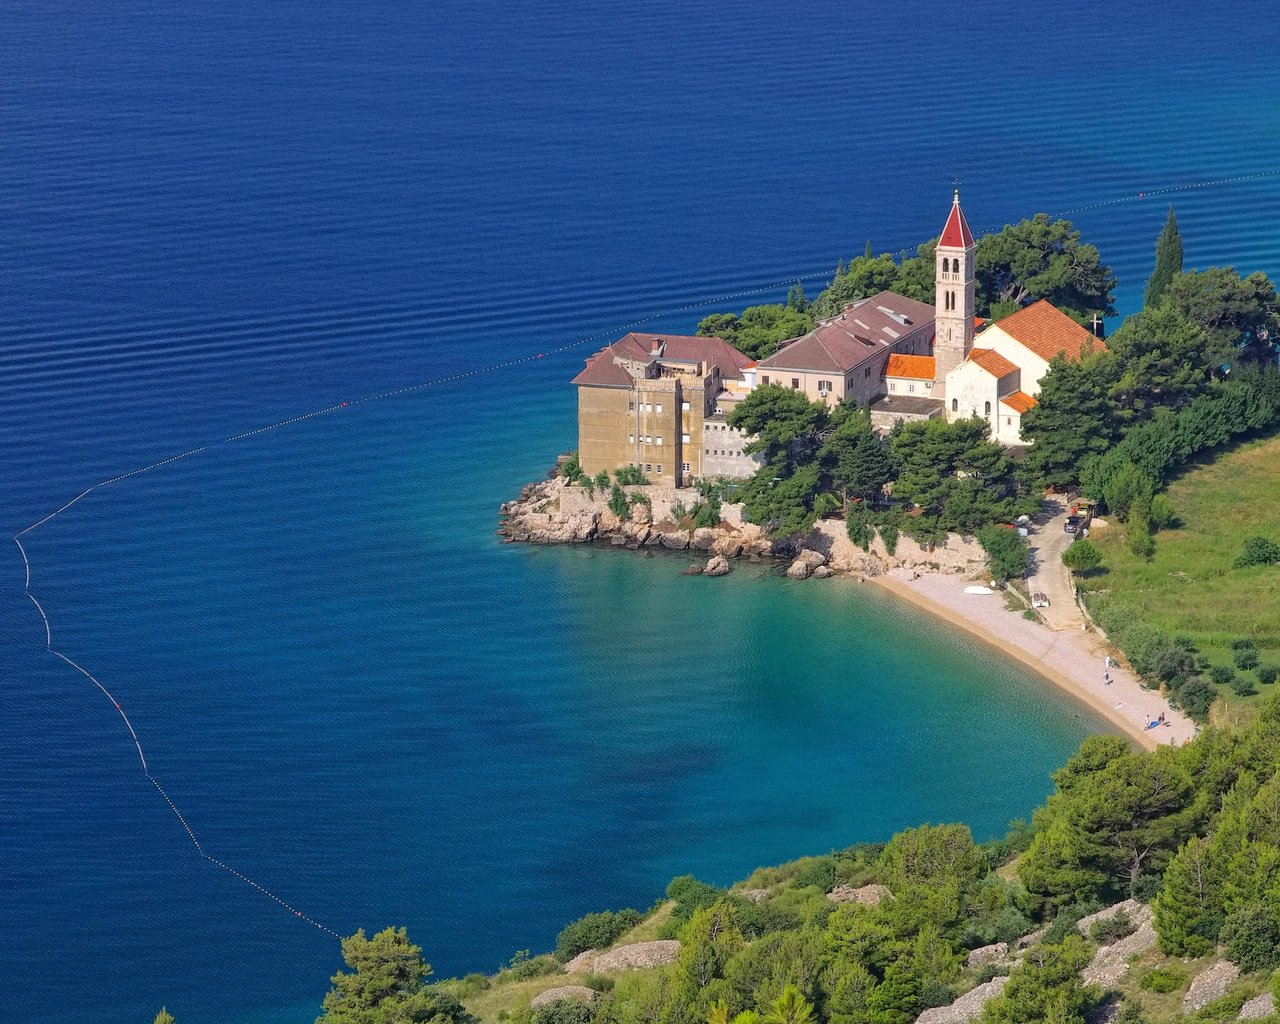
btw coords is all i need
(555, 511)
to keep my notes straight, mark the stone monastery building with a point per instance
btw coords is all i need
(661, 401)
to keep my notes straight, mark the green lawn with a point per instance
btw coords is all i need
(1189, 586)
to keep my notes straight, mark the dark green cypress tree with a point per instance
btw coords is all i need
(1168, 261)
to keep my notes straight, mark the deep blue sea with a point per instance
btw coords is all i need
(215, 216)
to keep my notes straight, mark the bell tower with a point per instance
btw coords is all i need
(954, 297)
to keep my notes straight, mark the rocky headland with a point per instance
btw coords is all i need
(555, 511)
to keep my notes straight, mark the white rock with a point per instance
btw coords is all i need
(1258, 1006)
(1210, 984)
(553, 995)
(967, 1007)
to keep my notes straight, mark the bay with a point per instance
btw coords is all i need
(221, 217)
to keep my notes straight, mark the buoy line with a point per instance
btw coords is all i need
(774, 286)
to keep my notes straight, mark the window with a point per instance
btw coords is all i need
(631, 407)
(684, 438)
(764, 379)
(648, 407)
(1008, 421)
(946, 264)
(866, 374)
(648, 467)
(659, 469)
(955, 405)
(631, 439)
(648, 439)
(928, 385)
(659, 439)
(893, 386)
(795, 383)
(659, 407)
(824, 387)
(685, 467)
(987, 409)
(684, 407)
(911, 387)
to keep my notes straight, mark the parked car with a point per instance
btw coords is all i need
(1039, 600)
(1071, 525)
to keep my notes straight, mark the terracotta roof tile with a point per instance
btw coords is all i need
(993, 362)
(1047, 331)
(1019, 401)
(916, 367)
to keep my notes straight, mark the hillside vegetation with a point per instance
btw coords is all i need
(1190, 586)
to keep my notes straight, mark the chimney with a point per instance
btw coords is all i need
(656, 347)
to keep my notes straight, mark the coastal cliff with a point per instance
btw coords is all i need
(556, 511)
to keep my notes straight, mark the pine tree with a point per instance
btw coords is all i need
(1168, 261)
(1189, 908)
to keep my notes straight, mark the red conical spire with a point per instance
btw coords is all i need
(956, 234)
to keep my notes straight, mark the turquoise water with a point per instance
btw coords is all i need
(215, 217)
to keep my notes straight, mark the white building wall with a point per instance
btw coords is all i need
(1031, 365)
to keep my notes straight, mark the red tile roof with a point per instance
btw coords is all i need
(602, 369)
(1047, 331)
(916, 367)
(993, 362)
(956, 233)
(1019, 402)
(863, 330)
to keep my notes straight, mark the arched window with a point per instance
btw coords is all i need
(987, 410)
(955, 405)
(946, 265)
(953, 300)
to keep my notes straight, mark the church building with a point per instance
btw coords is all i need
(661, 402)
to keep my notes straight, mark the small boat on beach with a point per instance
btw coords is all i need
(978, 590)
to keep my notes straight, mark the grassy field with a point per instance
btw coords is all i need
(1189, 586)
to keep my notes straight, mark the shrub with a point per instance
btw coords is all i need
(1245, 658)
(934, 993)
(678, 512)
(1162, 513)
(856, 525)
(1221, 674)
(599, 982)
(1008, 555)
(1257, 551)
(1162, 979)
(1065, 923)
(1082, 556)
(630, 475)
(618, 503)
(1196, 696)
(563, 1011)
(594, 931)
(690, 895)
(1140, 542)
(889, 534)
(819, 871)
(1110, 929)
(1252, 938)
(1243, 686)
(571, 468)
(1267, 674)
(524, 967)
(602, 479)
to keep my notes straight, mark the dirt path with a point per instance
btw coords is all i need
(1051, 577)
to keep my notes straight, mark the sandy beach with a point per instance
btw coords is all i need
(1073, 659)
